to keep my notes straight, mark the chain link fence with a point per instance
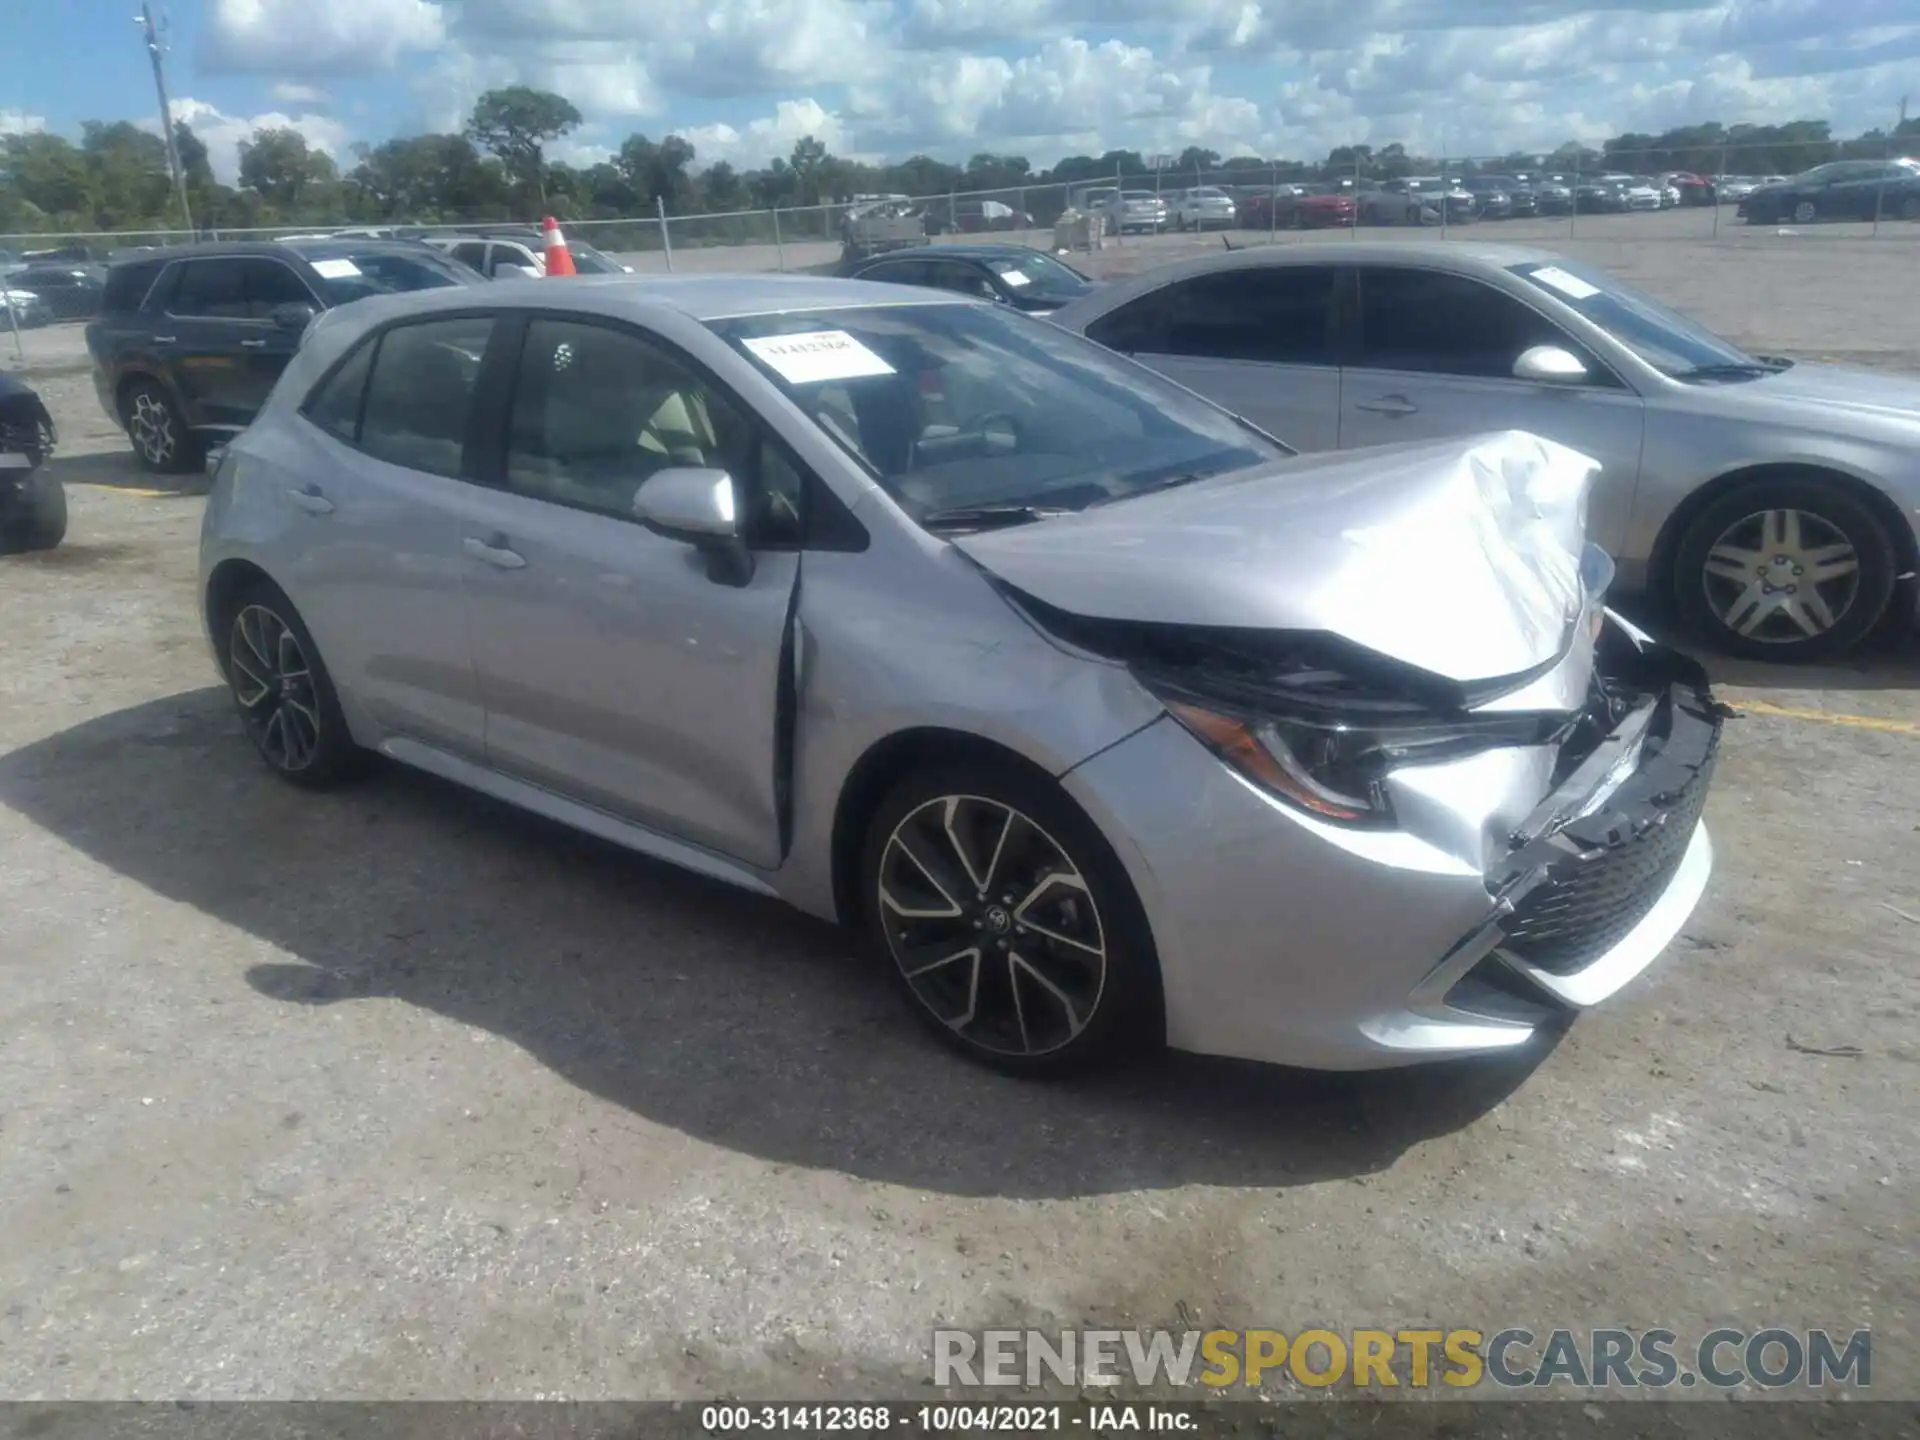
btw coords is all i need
(1701, 193)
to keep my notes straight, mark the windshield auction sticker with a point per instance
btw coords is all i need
(335, 269)
(817, 355)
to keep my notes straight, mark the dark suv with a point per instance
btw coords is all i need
(189, 341)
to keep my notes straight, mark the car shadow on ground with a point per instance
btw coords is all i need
(733, 1019)
(118, 470)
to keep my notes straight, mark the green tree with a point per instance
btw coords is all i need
(129, 180)
(809, 155)
(720, 187)
(279, 166)
(515, 125)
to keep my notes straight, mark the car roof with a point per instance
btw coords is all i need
(272, 249)
(698, 297)
(965, 250)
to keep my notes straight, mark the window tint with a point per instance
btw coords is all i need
(961, 279)
(421, 395)
(598, 410)
(211, 288)
(270, 284)
(1136, 328)
(471, 252)
(1276, 314)
(128, 284)
(1442, 324)
(335, 405)
(899, 272)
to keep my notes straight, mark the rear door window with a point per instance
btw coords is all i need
(472, 252)
(336, 402)
(209, 289)
(1278, 315)
(128, 284)
(419, 399)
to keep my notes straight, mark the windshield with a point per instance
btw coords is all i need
(589, 261)
(349, 275)
(1666, 340)
(956, 406)
(1041, 277)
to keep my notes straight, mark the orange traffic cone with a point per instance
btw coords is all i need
(559, 262)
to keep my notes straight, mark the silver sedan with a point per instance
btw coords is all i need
(1774, 501)
(1109, 720)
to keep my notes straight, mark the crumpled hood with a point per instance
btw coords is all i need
(1459, 557)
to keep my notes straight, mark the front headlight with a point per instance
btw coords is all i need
(1336, 770)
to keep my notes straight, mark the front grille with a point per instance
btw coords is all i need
(1579, 914)
(1605, 872)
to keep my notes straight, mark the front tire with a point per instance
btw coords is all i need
(1008, 921)
(285, 696)
(1805, 213)
(42, 523)
(1791, 569)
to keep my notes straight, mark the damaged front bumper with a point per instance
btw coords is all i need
(1287, 939)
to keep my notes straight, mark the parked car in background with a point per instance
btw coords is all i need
(1639, 193)
(1552, 194)
(1843, 190)
(1733, 188)
(33, 502)
(1133, 211)
(23, 309)
(68, 291)
(1070, 691)
(1302, 207)
(1692, 189)
(1415, 200)
(189, 341)
(64, 255)
(1492, 198)
(878, 226)
(1016, 275)
(975, 217)
(1600, 196)
(1775, 502)
(1204, 207)
(519, 252)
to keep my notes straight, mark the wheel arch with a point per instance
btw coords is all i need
(884, 764)
(1661, 580)
(226, 583)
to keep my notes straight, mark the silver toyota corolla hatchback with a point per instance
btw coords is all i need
(1110, 720)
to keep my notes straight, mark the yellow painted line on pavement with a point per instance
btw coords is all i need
(1829, 717)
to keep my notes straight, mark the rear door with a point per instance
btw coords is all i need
(197, 337)
(265, 347)
(376, 492)
(1431, 355)
(1257, 340)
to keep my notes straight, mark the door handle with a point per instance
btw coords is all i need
(254, 344)
(494, 551)
(163, 339)
(311, 500)
(1393, 405)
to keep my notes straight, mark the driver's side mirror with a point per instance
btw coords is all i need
(293, 316)
(1549, 365)
(698, 506)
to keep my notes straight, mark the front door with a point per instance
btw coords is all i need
(1432, 356)
(614, 670)
(1256, 340)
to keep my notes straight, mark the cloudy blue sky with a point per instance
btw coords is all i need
(744, 78)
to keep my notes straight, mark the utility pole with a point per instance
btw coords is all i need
(145, 19)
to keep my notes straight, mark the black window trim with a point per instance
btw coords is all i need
(1604, 377)
(318, 302)
(826, 524)
(1160, 296)
(469, 446)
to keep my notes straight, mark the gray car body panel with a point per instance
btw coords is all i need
(1658, 440)
(1334, 944)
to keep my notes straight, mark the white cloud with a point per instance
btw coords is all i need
(759, 141)
(315, 37)
(19, 122)
(222, 133)
(288, 93)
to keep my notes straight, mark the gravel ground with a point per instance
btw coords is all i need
(394, 1093)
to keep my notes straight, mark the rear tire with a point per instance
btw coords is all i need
(1008, 922)
(1805, 213)
(285, 696)
(43, 524)
(161, 441)
(1734, 550)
